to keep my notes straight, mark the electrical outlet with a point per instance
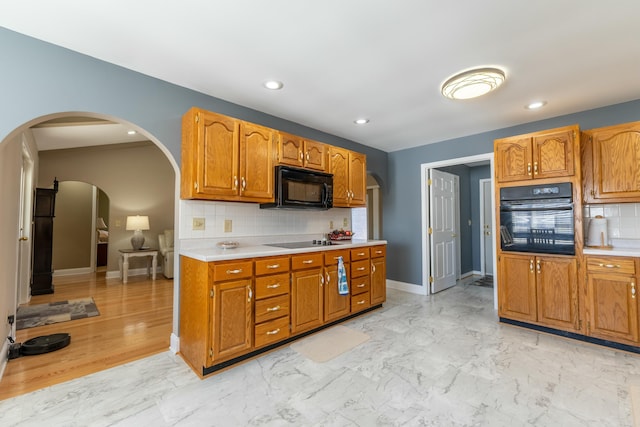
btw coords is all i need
(198, 224)
(228, 226)
(345, 222)
(330, 225)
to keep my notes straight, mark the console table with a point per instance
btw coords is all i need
(125, 254)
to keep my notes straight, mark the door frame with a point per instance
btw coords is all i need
(424, 174)
(483, 255)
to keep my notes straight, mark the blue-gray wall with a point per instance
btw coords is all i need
(38, 79)
(402, 198)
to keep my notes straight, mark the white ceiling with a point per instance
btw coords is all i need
(380, 59)
(81, 133)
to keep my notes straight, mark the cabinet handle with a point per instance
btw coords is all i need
(236, 271)
(378, 252)
(328, 278)
(535, 168)
(275, 331)
(361, 285)
(360, 302)
(244, 184)
(274, 286)
(250, 293)
(633, 289)
(538, 266)
(301, 155)
(273, 266)
(360, 269)
(307, 156)
(609, 265)
(373, 268)
(321, 280)
(361, 253)
(276, 308)
(307, 261)
(531, 266)
(529, 169)
(235, 182)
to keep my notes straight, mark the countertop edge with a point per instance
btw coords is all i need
(256, 251)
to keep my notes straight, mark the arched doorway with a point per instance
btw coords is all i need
(107, 176)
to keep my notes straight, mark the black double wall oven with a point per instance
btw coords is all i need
(537, 218)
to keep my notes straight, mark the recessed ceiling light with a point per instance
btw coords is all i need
(536, 105)
(361, 121)
(131, 132)
(273, 84)
(473, 83)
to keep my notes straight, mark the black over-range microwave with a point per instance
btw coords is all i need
(301, 189)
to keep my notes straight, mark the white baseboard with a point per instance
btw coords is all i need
(174, 345)
(471, 273)
(72, 271)
(115, 274)
(406, 287)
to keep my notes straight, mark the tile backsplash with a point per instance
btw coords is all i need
(623, 219)
(247, 219)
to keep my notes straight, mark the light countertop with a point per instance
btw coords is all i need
(248, 250)
(620, 247)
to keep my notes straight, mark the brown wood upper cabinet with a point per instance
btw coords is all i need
(226, 159)
(303, 153)
(546, 154)
(610, 158)
(349, 171)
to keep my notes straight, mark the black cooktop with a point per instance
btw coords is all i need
(306, 244)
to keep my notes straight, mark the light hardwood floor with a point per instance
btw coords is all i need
(135, 322)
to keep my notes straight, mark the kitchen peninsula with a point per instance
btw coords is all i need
(238, 303)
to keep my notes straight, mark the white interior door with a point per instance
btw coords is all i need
(487, 234)
(442, 229)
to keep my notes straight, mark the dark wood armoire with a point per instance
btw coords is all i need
(43, 214)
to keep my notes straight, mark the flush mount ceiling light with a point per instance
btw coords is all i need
(361, 121)
(535, 105)
(473, 83)
(273, 84)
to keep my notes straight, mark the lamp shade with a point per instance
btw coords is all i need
(100, 225)
(138, 222)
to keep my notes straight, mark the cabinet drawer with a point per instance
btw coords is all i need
(301, 262)
(360, 268)
(232, 270)
(272, 308)
(611, 265)
(331, 257)
(269, 286)
(359, 302)
(269, 332)
(272, 265)
(360, 285)
(359, 254)
(378, 251)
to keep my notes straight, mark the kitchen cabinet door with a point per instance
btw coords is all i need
(210, 154)
(307, 299)
(335, 305)
(557, 292)
(613, 307)
(378, 280)
(517, 287)
(256, 163)
(553, 154)
(232, 315)
(513, 158)
(357, 179)
(610, 161)
(295, 151)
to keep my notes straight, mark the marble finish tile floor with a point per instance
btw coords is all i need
(441, 360)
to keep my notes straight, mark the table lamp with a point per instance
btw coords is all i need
(137, 223)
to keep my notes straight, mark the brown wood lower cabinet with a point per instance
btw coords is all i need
(612, 301)
(307, 294)
(233, 310)
(540, 289)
